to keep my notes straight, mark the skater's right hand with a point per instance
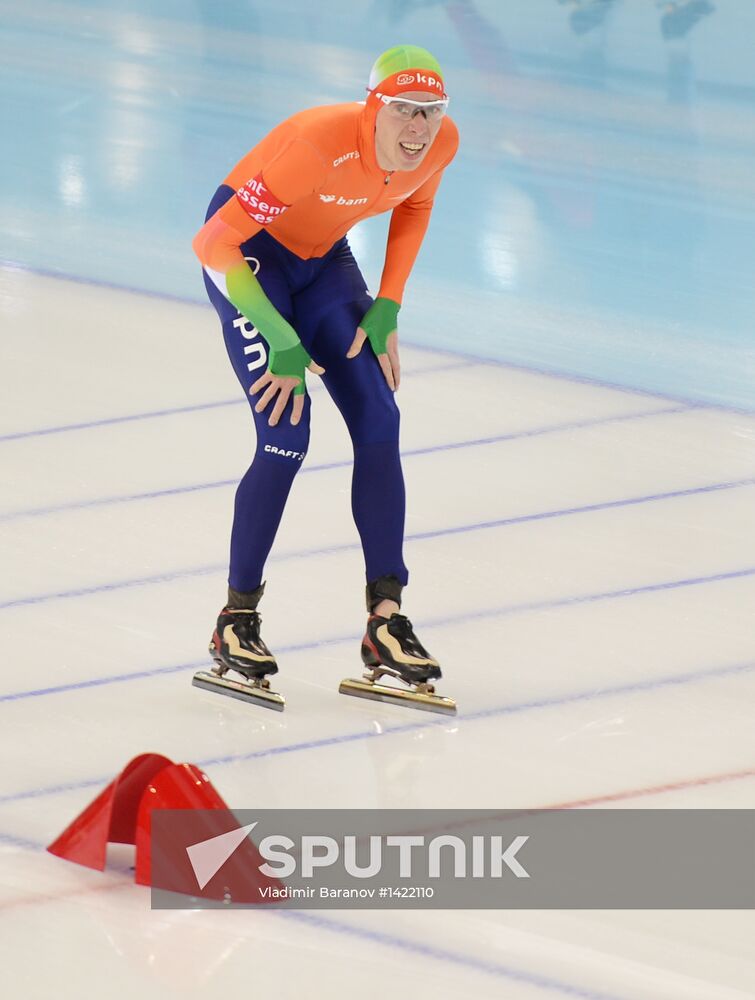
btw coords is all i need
(284, 376)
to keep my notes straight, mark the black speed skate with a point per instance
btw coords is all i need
(390, 648)
(237, 645)
(391, 642)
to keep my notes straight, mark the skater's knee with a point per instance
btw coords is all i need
(285, 441)
(375, 420)
(294, 455)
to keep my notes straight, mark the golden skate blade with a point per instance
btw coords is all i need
(241, 690)
(397, 696)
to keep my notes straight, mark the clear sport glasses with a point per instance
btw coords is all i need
(403, 108)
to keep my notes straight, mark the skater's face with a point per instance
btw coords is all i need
(404, 132)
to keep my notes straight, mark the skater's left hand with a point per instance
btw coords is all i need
(379, 326)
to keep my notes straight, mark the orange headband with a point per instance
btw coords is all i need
(408, 80)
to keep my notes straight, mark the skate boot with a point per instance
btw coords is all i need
(391, 649)
(237, 645)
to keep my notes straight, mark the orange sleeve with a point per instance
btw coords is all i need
(409, 221)
(295, 169)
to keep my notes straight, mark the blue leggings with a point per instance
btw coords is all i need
(324, 299)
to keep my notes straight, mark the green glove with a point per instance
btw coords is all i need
(290, 363)
(380, 320)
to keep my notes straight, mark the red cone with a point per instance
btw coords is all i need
(122, 814)
(111, 817)
(179, 786)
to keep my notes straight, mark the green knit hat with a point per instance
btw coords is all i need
(404, 57)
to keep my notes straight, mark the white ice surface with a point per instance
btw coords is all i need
(582, 564)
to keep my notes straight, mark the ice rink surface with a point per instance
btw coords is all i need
(578, 422)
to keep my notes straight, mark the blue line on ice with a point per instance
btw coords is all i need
(516, 708)
(219, 404)
(346, 463)
(348, 546)
(564, 376)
